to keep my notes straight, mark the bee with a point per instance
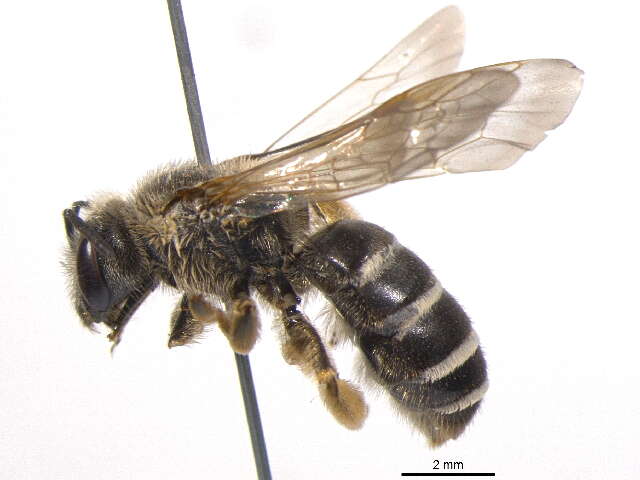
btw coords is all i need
(273, 227)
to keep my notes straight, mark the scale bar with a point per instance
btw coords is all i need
(449, 474)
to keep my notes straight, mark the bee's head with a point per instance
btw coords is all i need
(107, 264)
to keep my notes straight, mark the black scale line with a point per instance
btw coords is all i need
(449, 474)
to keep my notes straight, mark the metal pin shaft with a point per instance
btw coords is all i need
(202, 154)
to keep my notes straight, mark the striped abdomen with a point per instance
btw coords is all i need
(417, 340)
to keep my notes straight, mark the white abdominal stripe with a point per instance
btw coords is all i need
(455, 359)
(415, 340)
(401, 322)
(470, 399)
(377, 263)
(407, 317)
(404, 321)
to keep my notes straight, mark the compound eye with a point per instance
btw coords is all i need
(90, 279)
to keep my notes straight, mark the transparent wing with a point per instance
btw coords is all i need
(430, 51)
(480, 119)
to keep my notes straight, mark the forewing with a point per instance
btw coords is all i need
(545, 96)
(481, 119)
(430, 51)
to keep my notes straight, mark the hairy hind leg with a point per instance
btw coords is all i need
(302, 346)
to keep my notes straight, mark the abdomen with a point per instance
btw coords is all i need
(417, 341)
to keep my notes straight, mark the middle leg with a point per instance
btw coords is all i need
(239, 323)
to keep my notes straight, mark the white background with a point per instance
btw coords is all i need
(543, 256)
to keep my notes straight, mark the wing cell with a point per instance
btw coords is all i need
(432, 50)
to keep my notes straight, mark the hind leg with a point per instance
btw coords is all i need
(302, 346)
